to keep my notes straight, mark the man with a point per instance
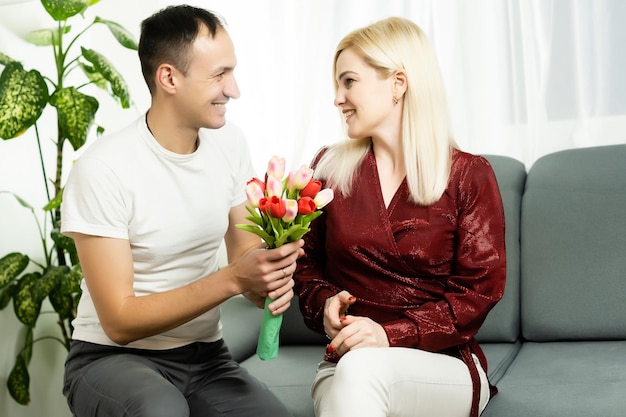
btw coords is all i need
(148, 208)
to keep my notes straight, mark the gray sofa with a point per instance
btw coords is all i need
(556, 343)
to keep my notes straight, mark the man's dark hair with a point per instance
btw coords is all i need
(167, 36)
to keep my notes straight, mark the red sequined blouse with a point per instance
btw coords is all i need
(428, 274)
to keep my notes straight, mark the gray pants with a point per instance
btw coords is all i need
(197, 380)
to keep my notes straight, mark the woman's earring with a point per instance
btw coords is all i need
(395, 100)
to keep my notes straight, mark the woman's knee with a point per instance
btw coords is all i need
(358, 366)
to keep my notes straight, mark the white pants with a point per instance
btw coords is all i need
(396, 382)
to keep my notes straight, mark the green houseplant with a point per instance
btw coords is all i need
(25, 283)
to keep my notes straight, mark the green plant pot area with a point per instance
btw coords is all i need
(28, 280)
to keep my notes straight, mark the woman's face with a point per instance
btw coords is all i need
(363, 96)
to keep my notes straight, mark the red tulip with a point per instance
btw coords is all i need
(274, 206)
(306, 205)
(311, 189)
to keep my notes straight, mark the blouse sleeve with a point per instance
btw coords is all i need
(478, 280)
(310, 285)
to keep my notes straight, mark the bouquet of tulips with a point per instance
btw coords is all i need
(281, 210)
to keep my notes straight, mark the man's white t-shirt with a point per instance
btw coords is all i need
(173, 209)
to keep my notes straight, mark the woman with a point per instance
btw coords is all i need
(406, 262)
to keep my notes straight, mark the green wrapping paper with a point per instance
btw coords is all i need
(267, 346)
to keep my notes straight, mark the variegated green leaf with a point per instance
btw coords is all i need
(123, 36)
(46, 37)
(76, 114)
(63, 304)
(66, 243)
(6, 294)
(19, 381)
(71, 282)
(5, 59)
(26, 307)
(23, 96)
(94, 76)
(104, 67)
(50, 280)
(11, 266)
(55, 203)
(27, 349)
(64, 9)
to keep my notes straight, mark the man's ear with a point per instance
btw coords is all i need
(165, 78)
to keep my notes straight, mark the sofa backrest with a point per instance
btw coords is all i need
(573, 251)
(293, 330)
(503, 322)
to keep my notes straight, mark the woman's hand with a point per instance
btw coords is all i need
(358, 332)
(348, 332)
(335, 311)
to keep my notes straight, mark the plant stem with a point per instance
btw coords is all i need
(43, 166)
(47, 338)
(67, 337)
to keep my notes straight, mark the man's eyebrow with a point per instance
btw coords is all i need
(219, 70)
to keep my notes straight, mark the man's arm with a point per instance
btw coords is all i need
(108, 269)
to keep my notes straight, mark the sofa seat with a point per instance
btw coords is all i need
(564, 379)
(499, 358)
(290, 375)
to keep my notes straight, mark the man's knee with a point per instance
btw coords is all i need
(157, 402)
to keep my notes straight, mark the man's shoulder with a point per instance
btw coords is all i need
(116, 142)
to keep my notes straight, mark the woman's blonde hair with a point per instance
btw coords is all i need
(389, 45)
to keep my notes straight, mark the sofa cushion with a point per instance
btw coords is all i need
(290, 375)
(563, 379)
(499, 358)
(293, 330)
(573, 235)
(502, 323)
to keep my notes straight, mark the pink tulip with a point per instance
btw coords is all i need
(259, 182)
(276, 167)
(323, 197)
(292, 210)
(274, 186)
(254, 192)
(299, 179)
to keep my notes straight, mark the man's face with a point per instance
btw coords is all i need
(210, 82)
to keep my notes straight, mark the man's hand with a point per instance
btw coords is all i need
(261, 273)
